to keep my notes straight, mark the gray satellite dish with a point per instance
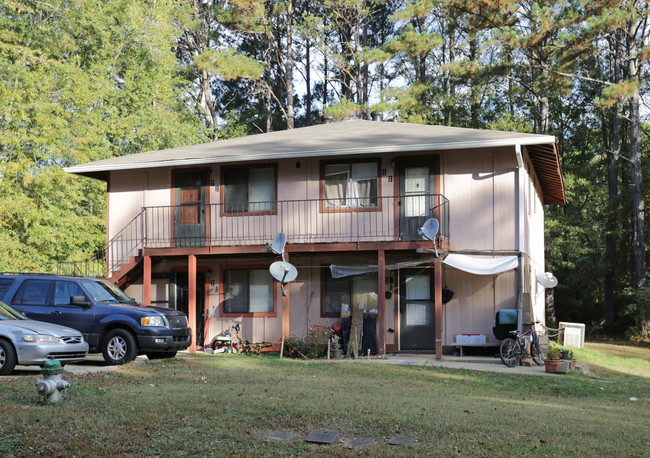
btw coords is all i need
(547, 280)
(277, 246)
(284, 272)
(429, 230)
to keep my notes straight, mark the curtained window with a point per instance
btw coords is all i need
(350, 185)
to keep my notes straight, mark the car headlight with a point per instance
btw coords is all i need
(152, 321)
(40, 338)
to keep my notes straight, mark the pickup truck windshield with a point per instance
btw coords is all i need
(105, 292)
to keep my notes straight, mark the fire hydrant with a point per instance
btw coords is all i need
(52, 383)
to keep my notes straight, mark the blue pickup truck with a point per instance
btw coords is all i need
(111, 322)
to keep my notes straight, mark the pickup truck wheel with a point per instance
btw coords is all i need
(161, 354)
(119, 347)
(7, 357)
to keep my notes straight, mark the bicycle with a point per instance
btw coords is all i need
(521, 345)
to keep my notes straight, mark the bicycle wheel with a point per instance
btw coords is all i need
(535, 351)
(509, 352)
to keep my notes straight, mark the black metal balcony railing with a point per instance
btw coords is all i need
(380, 219)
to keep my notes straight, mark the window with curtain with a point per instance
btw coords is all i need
(343, 293)
(350, 185)
(248, 291)
(249, 190)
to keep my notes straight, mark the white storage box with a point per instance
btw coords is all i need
(573, 334)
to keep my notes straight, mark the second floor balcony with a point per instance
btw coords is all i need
(305, 221)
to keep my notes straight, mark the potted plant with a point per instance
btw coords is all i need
(552, 360)
(336, 347)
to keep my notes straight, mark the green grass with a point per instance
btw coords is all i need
(224, 405)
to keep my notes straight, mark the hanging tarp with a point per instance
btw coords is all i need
(339, 271)
(482, 265)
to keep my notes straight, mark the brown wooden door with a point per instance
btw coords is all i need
(190, 208)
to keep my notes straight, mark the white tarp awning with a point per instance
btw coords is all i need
(482, 265)
(339, 271)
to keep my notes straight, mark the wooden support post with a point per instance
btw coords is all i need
(381, 303)
(146, 280)
(286, 317)
(438, 307)
(191, 298)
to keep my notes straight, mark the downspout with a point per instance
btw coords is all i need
(520, 233)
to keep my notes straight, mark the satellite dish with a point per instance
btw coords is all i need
(284, 272)
(277, 246)
(547, 280)
(429, 230)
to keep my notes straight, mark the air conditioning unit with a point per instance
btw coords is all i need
(572, 334)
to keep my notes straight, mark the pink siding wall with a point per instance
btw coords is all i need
(481, 189)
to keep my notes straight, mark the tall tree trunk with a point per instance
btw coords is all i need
(474, 90)
(289, 65)
(308, 82)
(612, 180)
(636, 173)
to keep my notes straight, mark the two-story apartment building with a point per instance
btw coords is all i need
(188, 228)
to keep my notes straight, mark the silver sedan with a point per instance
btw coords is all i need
(29, 342)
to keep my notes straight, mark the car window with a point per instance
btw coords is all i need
(64, 291)
(5, 284)
(8, 313)
(32, 292)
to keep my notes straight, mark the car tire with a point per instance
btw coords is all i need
(161, 354)
(7, 357)
(119, 347)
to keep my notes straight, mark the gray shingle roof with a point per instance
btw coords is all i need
(355, 137)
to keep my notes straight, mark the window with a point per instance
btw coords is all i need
(248, 291)
(350, 185)
(32, 292)
(341, 294)
(249, 190)
(418, 300)
(64, 291)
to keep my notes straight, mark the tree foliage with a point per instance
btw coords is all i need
(82, 80)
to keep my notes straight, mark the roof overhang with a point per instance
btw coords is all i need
(347, 138)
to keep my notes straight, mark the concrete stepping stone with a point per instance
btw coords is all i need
(401, 441)
(322, 436)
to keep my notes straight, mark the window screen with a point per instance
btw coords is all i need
(249, 190)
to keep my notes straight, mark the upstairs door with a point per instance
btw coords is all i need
(190, 208)
(417, 184)
(417, 311)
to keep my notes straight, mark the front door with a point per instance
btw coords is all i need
(190, 208)
(181, 302)
(417, 184)
(417, 311)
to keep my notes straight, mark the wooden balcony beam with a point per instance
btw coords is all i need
(295, 248)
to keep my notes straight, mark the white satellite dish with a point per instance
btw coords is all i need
(429, 230)
(547, 280)
(284, 272)
(277, 246)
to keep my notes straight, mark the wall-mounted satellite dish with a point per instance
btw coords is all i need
(277, 246)
(284, 272)
(547, 280)
(429, 230)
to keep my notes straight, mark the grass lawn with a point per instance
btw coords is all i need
(224, 405)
